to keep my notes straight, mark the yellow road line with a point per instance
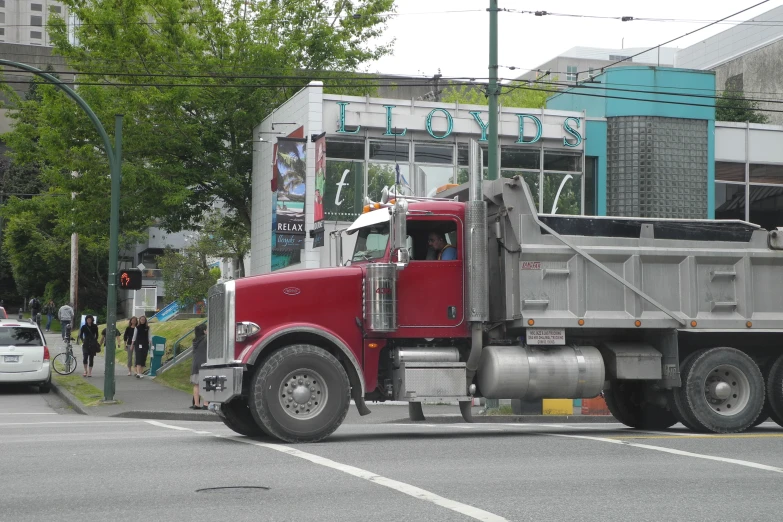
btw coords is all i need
(737, 436)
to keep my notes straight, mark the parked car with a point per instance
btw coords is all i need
(24, 356)
(3, 313)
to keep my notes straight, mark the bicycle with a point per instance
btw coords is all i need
(65, 363)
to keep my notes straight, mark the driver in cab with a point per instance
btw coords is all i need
(441, 250)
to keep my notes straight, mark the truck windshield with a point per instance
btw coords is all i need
(371, 242)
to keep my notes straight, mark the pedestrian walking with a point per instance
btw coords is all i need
(65, 315)
(88, 334)
(128, 340)
(199, 358)
(49, 309)
(35, 310)
(142, 340)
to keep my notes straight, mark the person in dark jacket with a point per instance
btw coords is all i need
(142, 340)
(128, 340)
(89, 338)
(199, 358)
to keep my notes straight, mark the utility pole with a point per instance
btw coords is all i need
(492, 93)
(436, 79)
(74, 288)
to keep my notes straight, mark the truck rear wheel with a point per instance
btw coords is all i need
(723, 390)
(627, 404)
(775, 391)
(236, 415)
(300, 394)
(677, 403)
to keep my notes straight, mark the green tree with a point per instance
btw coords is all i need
(733, 106)
(186, 275)
(192, 77)
(515, 94)
(224, 238)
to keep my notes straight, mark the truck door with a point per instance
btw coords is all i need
(430, 291)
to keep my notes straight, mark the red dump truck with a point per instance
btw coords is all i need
(675, 321)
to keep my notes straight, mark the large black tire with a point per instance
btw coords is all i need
(677, 403)
(300, 394)
(45, 387)
(767, 409)
(627, 404)
(723, 390)
(775, 391)
(236, 415)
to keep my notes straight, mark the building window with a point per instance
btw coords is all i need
(434, 167)
(55, 9)
(2, 18)
(591, 185)
(727, 171)
(36, 21)
(2, 31)
(345, 149)
(36, 7)
(2, 3)
(571, 73)
(35, 35)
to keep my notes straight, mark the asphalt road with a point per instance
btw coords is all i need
(57, 465)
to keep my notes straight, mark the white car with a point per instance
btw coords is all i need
(24, 356)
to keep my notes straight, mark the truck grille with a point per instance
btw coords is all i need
(216, 323)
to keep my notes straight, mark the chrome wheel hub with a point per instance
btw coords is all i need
(303, 394)
(727, 390)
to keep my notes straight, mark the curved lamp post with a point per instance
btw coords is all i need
(115, 163)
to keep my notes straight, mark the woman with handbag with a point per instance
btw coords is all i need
(142, 340)
(88, 334)
(128, 339)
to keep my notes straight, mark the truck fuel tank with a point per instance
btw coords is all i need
(527, 372)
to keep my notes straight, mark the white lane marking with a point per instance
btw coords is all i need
(401, 487)
(738, 462)
(48, 423)
(42, 413)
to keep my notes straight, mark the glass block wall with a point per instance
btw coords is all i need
(656, 167)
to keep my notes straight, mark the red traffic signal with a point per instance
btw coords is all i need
(130, 279)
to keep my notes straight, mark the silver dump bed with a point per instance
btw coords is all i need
(627, 273)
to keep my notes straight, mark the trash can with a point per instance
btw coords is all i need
(158, 350)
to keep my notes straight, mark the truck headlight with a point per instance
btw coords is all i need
(246, 329)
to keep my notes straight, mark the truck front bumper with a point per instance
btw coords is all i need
(220, 383)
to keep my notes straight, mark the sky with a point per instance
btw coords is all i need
(431, 35)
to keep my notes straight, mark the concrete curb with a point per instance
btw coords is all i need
(521, 419)
(69, 399)
(170, 415)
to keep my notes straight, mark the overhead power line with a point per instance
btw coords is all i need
(682, 36)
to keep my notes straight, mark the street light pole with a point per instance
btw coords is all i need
(114, 232)
(493, 92)
(115, 163)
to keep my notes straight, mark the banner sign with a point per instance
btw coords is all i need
(343, 190)
(320, 181)
(288, 213)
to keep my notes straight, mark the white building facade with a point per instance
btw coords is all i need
(373, 143)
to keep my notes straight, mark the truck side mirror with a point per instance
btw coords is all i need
(399, 231)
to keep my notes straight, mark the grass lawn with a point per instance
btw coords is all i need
(87, 394)
(178, 376)
(171, 330)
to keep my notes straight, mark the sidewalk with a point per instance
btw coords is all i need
(138, 398)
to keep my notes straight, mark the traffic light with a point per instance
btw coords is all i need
(130, 279)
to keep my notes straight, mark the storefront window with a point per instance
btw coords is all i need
(562, 194)
(764, 174)
(729, 201)
(766, 206)
(726, 171)
(389, 150)
(345, 149)
(426, 153)
(533, 180)
(519, 158)
(380, 175)
(562, 161)
(591, 166)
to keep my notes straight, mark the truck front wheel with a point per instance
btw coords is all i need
(236, 415)
(300, 394)
(626, 402)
